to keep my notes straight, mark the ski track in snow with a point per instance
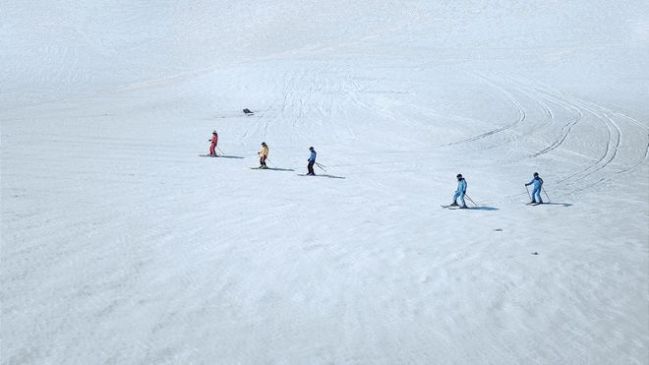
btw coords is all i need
(591, 174)
(521, 112)
(565, 128)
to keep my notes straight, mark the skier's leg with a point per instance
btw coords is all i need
(538, 196)
(212, 152)
(455, 196)
(461, 197)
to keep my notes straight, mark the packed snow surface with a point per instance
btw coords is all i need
(120, 245)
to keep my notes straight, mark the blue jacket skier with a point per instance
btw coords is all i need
(537, 184)
(311, 161)
(459, 192)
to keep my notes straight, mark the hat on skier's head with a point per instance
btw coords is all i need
(536, 174)
(263, 143)
(214, 132)
(459, 176)
(311, 148)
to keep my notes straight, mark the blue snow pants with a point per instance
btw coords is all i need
(459, 195)
(536, 195)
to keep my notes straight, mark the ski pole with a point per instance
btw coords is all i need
(528, 192)
(546, 193)
(471, 200)
(320, 167)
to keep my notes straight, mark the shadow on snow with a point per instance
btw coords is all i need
(483, 208)
(324, 175)
(559, 204)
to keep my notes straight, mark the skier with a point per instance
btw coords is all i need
(263, 155)
(537, 183)
(214, 141)
(311, 160)
(459, 192)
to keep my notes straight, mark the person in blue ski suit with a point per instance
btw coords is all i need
(311, 160)
(459, 192)
(537, 184)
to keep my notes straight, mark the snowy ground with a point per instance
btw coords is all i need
(121, 245)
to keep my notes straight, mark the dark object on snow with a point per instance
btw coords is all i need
(535, 253)
(247, 111)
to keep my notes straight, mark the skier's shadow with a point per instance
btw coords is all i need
(325, 175)
(278, 169)
(483, 208)
(231, 156)
(559, 204)
(331, 176)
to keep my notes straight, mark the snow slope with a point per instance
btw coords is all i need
(121, 245)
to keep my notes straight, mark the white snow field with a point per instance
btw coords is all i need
(120, 245)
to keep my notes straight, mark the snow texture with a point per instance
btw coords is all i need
(120, 245)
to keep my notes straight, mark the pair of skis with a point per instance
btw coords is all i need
(278, 169)
(456, 206)
(453, 207)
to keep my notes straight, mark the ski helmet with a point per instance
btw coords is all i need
(536, 174)
(459, 176)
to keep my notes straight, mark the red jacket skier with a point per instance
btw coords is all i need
(214, 141)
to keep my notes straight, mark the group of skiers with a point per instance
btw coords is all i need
(460, 192)
(263, 154)
(458, 196)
